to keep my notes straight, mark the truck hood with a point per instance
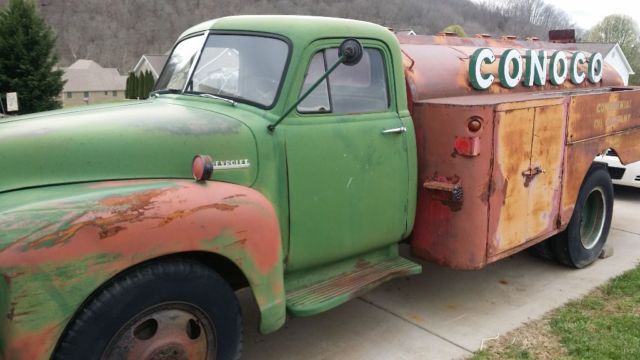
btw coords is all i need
(151, 139)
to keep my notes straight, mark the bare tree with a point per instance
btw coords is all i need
(116, 33)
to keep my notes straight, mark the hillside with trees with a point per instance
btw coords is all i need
(115, 33)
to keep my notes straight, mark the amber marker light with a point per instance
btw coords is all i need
(474, 124)
(202, 167)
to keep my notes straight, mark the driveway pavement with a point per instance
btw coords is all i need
(444, 313)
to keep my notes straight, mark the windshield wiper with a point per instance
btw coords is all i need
(164, 91)
(177, 91)
(210, 96)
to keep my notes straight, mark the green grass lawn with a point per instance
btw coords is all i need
(603, 325)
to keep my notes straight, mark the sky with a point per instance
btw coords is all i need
(586, 13)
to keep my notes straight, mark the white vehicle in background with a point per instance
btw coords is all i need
(628, 175)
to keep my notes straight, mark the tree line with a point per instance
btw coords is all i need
(111, 34)
(116, 33)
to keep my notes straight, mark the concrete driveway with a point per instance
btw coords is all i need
(443, 313)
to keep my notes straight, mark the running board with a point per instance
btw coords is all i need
(332, 292)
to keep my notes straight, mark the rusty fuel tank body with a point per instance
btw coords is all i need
(500, 168)
(438, 66)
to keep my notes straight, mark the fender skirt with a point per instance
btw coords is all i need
(59, 244)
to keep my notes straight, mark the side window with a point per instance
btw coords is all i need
(318, 100)
(350, 89)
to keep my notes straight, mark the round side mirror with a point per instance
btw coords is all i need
(351, 49)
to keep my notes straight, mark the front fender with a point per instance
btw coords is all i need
(59, 244)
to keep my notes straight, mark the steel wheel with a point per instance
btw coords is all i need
(169, 309)
(582, 241)
(165, 332)
(593, 217)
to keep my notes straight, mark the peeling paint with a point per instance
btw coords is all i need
(50, 271)
(535, 168)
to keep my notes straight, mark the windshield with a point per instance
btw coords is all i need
(176, 71)
(246, 68)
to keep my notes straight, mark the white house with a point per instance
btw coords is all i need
(613, 55)
(150, 62)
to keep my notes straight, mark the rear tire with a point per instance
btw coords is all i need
(581, 243)
(542, 250)
(174, 309)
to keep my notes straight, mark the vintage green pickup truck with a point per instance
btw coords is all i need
(293, 155)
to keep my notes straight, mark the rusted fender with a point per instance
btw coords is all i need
(59, 244)
(596, 123)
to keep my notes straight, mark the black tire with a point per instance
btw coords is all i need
(592, 214)
(542, 250)
(125, 306)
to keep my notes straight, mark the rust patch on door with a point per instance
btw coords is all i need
(529, 152)
(514, 131)
(547, 152)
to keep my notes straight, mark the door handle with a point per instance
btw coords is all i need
(530, 173)
(399, 130)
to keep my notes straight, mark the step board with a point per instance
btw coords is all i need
(330, 293)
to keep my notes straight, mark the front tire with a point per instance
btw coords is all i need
(172, 309)
(581, 243)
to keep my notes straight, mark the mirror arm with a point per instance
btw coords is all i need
(272, 127)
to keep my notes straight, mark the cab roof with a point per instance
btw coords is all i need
(295, 27)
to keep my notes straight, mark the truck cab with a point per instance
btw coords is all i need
(347, 171)
(325, 195)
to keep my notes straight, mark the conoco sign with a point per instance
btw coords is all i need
(533, 69)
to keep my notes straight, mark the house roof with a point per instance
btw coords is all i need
(405, 32)
(603, 49)
(87, 75)
(156, 63)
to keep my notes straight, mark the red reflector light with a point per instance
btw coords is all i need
(202, 167)
(467, 146)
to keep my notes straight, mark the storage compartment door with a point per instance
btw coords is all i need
(509, 201)
(545, 183)
(527, 175)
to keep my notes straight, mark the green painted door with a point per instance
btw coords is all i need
(347, 162)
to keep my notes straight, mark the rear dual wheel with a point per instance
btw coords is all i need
(582, 242)
(167, 310)
(586, 234)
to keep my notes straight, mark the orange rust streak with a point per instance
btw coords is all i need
(137, 201)
(137, 227)
(513, 157)
(547, 153)
(182, 213)
(234, 196)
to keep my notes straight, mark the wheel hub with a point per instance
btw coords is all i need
(170, 352)
(165, 332)
(594, 213)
